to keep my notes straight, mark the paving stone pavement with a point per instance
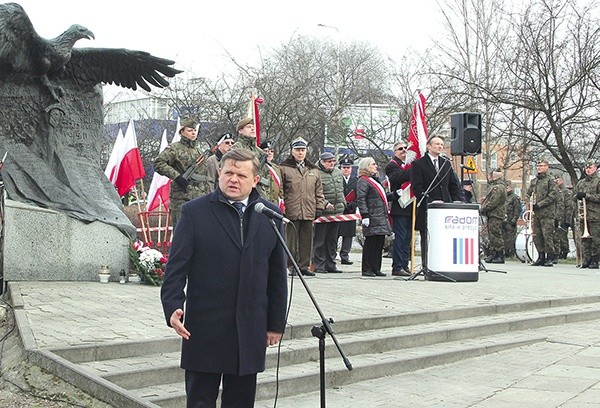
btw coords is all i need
(563, 371)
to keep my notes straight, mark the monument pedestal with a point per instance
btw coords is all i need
(43, 244)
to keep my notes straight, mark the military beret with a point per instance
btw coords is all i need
(590, 163)
(188, 122)
(224, 137)
(266, 145)
(467, 183)
(298, 143)
(541, 160)
(242, 123)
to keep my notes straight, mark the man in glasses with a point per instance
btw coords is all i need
(223, 146)
(398, 174)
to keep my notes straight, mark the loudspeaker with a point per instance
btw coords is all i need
(465, 137)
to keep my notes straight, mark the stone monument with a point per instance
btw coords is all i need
(51, 127)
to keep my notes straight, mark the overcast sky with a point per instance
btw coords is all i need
(196, 33)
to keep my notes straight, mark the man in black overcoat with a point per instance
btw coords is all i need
(235, 301)
(433, 181)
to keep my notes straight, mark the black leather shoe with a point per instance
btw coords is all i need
(320, 271)
(306, 272)
(346, 262)
(401, 272)
(370, 274)
(379, 273)
(336, 270)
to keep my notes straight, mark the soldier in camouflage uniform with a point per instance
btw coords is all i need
(544, 197)
(589, 189)
(494, 208)
(213, 162)
(247, 140)
(175, 160)
(564, 216)
(275, 192)
(509, 226)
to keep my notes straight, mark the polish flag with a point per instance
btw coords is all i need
(113, 160)
(130, 166)
(158, 193)
(417, 145)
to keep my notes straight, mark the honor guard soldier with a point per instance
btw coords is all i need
(185, 164)
(247, 140)
(275, 194)
(212, 163)
(509, 226)
(494, 208)
(543, 194)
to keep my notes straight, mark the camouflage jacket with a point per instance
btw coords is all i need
(590, 185)
(513, 209)
(494, 203)
(546, 195)
(175, 160)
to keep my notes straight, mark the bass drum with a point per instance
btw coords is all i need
(525, 248)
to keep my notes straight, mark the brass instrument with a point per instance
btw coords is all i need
(582, 209)
(528, 215)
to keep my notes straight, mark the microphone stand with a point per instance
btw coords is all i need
(317, 331)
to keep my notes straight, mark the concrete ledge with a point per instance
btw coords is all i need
(42, 244)
(89, 383)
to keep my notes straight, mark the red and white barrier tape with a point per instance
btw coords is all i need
(337, 218)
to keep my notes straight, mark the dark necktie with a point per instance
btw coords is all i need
(239, 206)
(435, 164)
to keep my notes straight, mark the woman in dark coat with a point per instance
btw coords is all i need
(373, 206)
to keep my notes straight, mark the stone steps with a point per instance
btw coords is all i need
(376, 347)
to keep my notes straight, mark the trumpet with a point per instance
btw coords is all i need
(582, 210)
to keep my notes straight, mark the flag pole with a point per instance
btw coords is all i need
(141, 215)
(412, 238)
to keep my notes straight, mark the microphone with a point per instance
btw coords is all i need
(263, 209)
(464, 166)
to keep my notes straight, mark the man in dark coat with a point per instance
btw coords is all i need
(433, 181)
(235, 271)
(348, 228)
(399, 173)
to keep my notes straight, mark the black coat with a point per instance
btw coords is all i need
(446, 187)
(398, 176)
(348, 228)
(236, 291)
(372, 206)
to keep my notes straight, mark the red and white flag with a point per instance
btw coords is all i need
(130, 166)
(113, 160)
(417, 146)
(158, 192)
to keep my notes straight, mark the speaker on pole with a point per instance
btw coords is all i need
(465, 137)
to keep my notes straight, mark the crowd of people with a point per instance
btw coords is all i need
(235, 304)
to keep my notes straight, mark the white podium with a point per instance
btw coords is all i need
(453, 242)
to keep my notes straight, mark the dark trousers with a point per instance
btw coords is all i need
(298, 236)
(372, 253)
(402, 227)
(346, 248)
(325, 245)
(202, 390)
(424, 243)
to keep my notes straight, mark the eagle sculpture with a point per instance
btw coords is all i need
(22, 50)
(52, 115)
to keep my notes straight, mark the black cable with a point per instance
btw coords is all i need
(287, 315)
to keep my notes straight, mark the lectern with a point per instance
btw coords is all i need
(453, 242)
